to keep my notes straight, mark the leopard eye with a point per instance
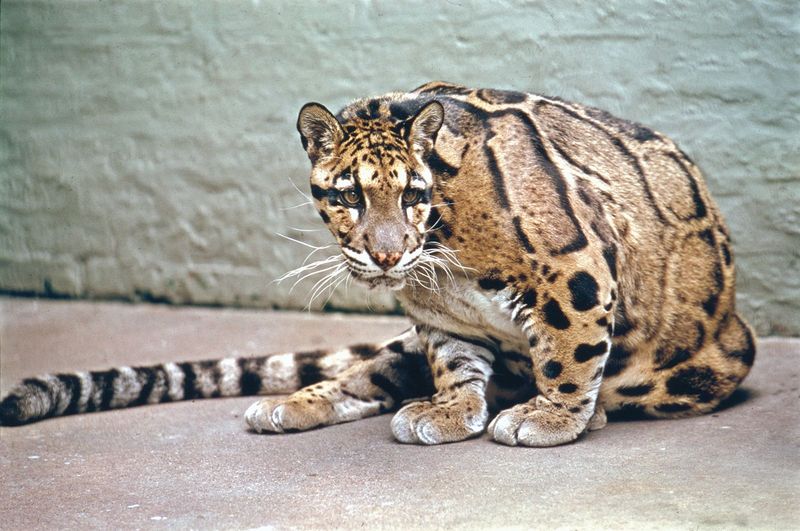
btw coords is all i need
(350, 198)
(411, 196)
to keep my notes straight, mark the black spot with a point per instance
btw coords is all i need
(635, 390)
(491, 283)
(610, 255)
(555, 316)
(584, 352)
(567, 388)
(529, 298)
(575, 409)
(325, 217)
(602, 322)
(673, 407)
(552, 369)
(700, 382)
(617, 360)
(584, 288)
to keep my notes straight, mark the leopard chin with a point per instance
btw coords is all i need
(383, 282)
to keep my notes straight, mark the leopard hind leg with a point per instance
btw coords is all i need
(687, 384)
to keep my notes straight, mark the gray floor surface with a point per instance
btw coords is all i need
(194, 465)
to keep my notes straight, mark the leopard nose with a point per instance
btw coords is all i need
(386, 260)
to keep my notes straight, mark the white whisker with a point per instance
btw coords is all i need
(297, 206)
(299, 191)
(305, 230)
(301, 243)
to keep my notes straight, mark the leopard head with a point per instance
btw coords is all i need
(371, 184)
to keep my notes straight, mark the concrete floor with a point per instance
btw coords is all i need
(193, 464)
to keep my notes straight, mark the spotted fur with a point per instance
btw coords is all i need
(557, 262)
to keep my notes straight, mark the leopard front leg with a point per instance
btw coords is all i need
(461, 369)
(387, 375)
(569, 346)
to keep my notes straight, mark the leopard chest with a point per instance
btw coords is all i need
(462, 308)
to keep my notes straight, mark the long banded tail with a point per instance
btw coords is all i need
(53, 395)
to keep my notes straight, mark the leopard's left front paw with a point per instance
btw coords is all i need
(536, 423)
(431, 423)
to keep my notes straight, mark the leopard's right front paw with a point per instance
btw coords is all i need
(429, 423)
(278, 415)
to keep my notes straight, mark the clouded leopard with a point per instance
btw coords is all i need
(557, 263)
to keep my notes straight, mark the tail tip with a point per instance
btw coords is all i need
(12, 412)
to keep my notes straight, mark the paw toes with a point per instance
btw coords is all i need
(426, 423)
(278, 416)
(524, 426)
(503, 428)
(259, 417)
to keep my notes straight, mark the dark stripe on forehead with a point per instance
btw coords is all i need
(374, 107)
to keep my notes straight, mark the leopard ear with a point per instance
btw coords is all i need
(424, 127)
(319, 130)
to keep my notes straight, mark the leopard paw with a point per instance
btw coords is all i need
(598, 420)
(536, 423)
(430, 423)
(278, 415)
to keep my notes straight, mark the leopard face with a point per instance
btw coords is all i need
(372, 187)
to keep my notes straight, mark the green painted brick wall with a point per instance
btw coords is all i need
(147, 149)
